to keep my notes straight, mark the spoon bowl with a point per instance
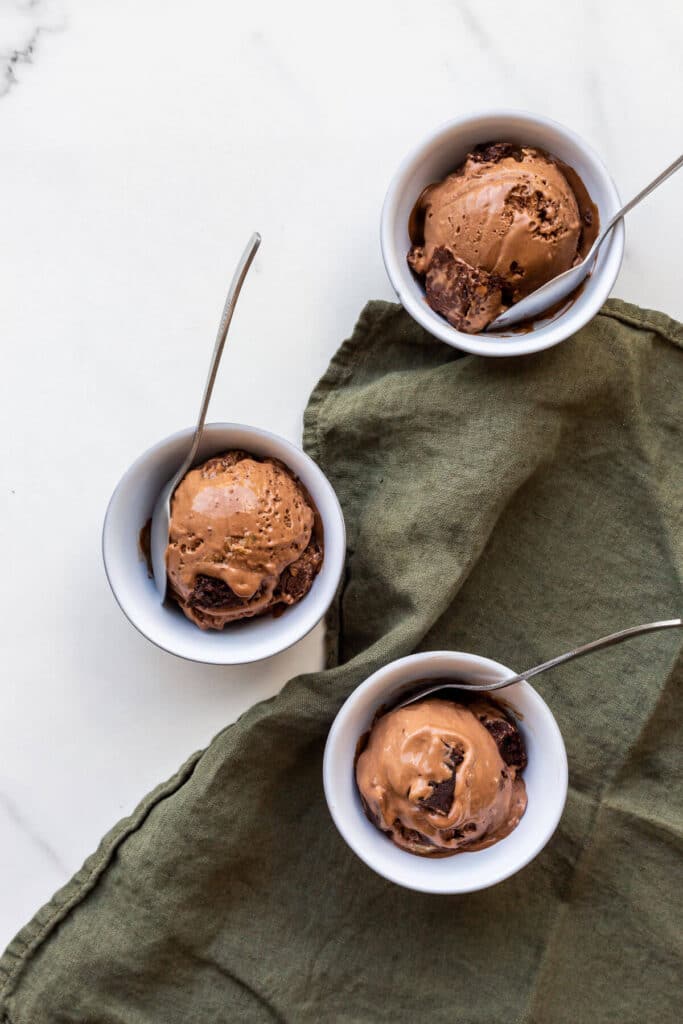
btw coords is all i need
(159, 531)
(548, 296)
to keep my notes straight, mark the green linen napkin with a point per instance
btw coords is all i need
(510, 507)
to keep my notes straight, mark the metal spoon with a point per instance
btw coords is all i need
(563, 285)
(161, 517)
(499, 684)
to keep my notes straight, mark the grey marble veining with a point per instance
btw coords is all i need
(22, 22)
(13, 814)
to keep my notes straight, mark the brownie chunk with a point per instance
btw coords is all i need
(414, 839)
(441, 798)
(467, 297)
(294, 583)
(509, 742)
(210, 592)
(494, 152)
(297, 578)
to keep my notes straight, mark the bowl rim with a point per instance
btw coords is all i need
(477, 344)
(331, 768)
(260, 432)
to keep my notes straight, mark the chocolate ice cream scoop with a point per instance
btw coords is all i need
(242, 540)
(440, 777)
(504, 223)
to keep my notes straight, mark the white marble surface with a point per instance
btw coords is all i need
(140, 143)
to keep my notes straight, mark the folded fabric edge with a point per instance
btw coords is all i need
(338, 371)
(33, 934)
(340, 368)
(651, 319)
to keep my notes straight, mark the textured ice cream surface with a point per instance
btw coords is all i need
(243, 540)
(441, 777)
(505, 222)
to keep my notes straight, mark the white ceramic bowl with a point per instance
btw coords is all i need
(131, 506)
(545, 777)
(438, 155)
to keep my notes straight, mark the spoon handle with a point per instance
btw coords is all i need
(228, 310)
(596, 645)
(666, 173)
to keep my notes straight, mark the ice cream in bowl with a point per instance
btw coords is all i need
(452, 793)
(245, 539)
(488, 209)
(255, 550)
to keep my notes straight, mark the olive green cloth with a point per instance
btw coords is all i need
(510, 507)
